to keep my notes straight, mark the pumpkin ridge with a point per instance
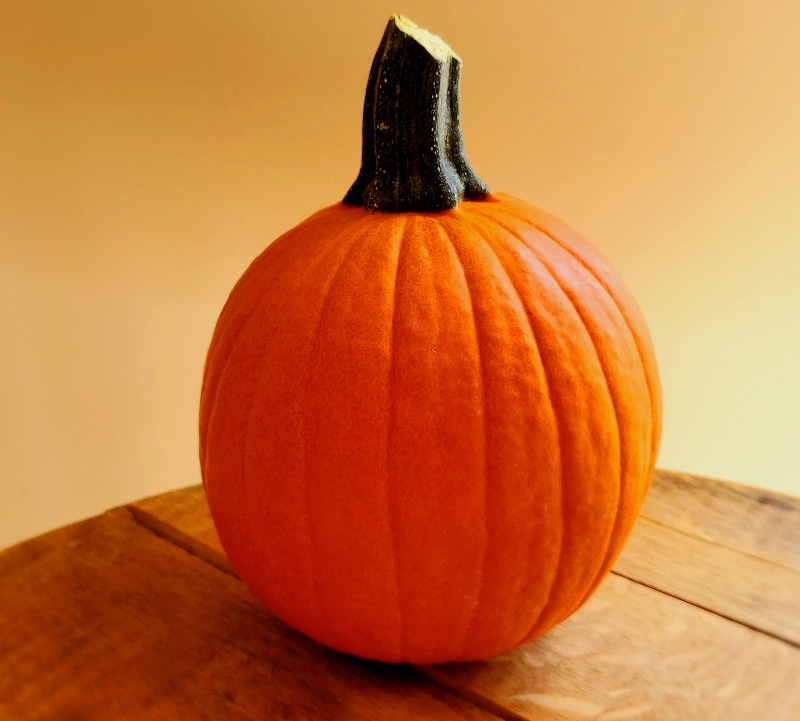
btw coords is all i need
(211, 386)
(534, 631)
(654, 435)
(352, 235)
(216, 385)
(652, 385)
(482, 376)
(355, 237)
(238, 334)
(558, 425)
(277, 244)
(283, 243)
(235, 481)
(608, 560)
(616, 529)
(392, 524)
(601, 572)
(255, 264)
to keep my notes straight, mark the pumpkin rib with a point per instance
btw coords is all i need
(245, 368)
(284, 242)
(534, 631)
(601, 572)
(212, 360)
(278, 268)
(622, 307)
(332, 218)
(654, 392)
(558, 426)
(353, 236)
(609, 560)
(356, 237)
(438, 453)
(256, 271)
(611, 555)
(390, 495)
(482, 377)
(347, 412)
(618, 530)
(243, 281)
(251, 270)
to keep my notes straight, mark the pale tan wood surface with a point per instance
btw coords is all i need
(733, 584)
(762, 523)
(635, 653)
(642, 647)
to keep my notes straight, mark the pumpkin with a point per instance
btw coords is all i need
(429, 413)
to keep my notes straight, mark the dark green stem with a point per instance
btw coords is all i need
(412, 155)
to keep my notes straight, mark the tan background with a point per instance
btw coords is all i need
(149, 149)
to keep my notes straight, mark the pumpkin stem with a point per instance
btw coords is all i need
(412, 154)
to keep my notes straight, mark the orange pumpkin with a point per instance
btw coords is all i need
(425, 435)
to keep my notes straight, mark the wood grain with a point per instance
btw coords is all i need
(635, 653)
(631, 652)
(762, 523)
(105, 620)
(736, 585)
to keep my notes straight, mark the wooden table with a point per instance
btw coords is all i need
(136, 614)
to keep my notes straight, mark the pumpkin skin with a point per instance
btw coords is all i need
(425, 437)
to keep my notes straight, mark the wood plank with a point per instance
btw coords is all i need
(761, 523)
(634, 653)
(734, 584)
(104, 619)
(631, 652)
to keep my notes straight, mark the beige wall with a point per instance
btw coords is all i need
(149, 149)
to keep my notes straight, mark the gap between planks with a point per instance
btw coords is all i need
(708, 542)
(171, 534)
(737, 621)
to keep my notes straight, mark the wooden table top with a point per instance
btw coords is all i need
(136, 614)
